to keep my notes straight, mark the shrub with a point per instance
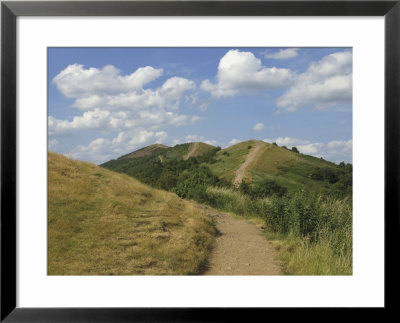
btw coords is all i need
(327, 174)
(268, 188)
(167, 180)
(193, 185)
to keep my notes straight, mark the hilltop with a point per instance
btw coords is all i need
(104, 223)
(271, 162)
(146, 151)
(252, 162)
(197, 149)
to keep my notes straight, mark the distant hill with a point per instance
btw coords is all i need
(251, 161)
(146, 151)
(197, 149)
(146, 164)
(104, 223)
(288, 168)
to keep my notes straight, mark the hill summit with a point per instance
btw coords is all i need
(251, 162)
(146, 151)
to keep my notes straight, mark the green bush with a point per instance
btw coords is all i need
(267, 188)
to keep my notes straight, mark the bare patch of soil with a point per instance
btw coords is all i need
(241, 171)
(192, 151)
(241, 249)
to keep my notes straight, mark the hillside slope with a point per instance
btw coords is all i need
(269, 162)
(146, 151)
(197, 149)
(254, 162)
(104, 223)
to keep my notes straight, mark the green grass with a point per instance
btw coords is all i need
(104, 223)
(197, 149)
(312, 234)
(230, 159)
(288, 169)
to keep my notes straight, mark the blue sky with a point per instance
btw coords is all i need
(106, 102)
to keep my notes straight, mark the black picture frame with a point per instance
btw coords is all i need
(10, 10)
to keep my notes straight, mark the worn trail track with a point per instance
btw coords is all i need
(192, 151)
(241, 171)
(241, 249)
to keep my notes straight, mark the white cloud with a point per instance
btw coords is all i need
(283, 54)
(111, 102)
(258, 127)
(287, 141)
(243, 72)
(325, 83)
(169, 95)
(103, 149)
(234, 142)
(95, 119)
(52, 144)
(335, 150)
(193, 138)
(75, 81)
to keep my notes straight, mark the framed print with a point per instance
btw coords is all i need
(175, 160)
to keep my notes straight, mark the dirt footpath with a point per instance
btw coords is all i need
(241, 171)
(241, 249)
(192, 151)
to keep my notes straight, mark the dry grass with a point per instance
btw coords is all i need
(300, 257)
(271, 158)
(105, 223)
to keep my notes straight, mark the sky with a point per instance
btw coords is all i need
(106, 102)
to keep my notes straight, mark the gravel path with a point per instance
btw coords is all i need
(241, 249)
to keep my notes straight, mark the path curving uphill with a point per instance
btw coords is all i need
(193, 150)
(241, 171)
(241, 249)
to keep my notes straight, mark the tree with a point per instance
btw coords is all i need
(294, 149)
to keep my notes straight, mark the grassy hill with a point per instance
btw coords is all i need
(289, 169)
(146, 151)
(253, 162)
(305, 202)
(197, 149)
(156, 167)
(104, 223)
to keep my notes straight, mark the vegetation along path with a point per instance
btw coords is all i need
(241, 249)
(241, 171)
